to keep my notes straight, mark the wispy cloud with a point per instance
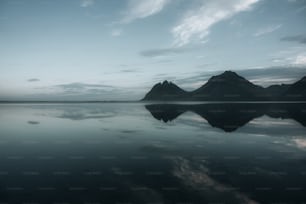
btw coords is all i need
(116, 32)
(198, 22)
(295, 38)
(129, 71)
(301, 9)
(85, 91)
(267, 30)
(292, 55)
(162, 52)
(138, 9)
(33, 80)
(81, 86)
(31, 122)
(300, 59)
(261, 76)
(87, 3)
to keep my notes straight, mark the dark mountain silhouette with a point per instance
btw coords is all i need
(165, 91)
(229, 86)
(276, 92)
(230, 116)
(297, 91)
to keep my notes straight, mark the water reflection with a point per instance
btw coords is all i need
(230, 116)
(119, 153)
(199, 178)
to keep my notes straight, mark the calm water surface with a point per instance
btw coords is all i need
(152, 153)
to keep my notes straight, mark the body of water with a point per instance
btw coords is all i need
(152, 153)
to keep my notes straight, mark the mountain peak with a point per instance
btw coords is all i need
(229, 73)
(165, 91)
(229, 86)
(227, 76)
(166, 82)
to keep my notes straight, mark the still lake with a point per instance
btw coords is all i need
(152, 153)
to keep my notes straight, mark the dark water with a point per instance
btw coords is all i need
(142, 153)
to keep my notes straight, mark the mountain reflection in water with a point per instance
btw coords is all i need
(118, 153)
(230, 116)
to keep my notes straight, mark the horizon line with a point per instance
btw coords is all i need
(137, 101)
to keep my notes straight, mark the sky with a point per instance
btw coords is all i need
(117, 50)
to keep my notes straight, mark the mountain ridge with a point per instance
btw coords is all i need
(165, 91)
(228, 86)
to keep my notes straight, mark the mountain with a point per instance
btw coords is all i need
(165, 91)
(229, 86)
(276, 92)
(296, 92)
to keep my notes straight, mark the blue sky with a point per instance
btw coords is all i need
(116, 50)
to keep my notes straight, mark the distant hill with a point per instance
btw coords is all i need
(228, 86)
(165, 91)
(276, 92)
(296, 91)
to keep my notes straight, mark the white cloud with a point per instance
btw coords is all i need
(116, 32)
(197, 22)
(267, 30)
(162, 52)
(294, 55)
(138, 9)
(300, 59)
(87, 3)
(33, 80)
(291, 59)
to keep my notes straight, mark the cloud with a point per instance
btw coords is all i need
(261, 76)
(87, 3)
(295, 38)
(129, 71)
(116, 32)
(290, 55)
(198, 22)
(138, 9)
(81, 86)
(85, 91)
(77, 88)
(267, 30)
(32, 122)
(300, 59)
(33, 80)
(162, 52)
(301, 9)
